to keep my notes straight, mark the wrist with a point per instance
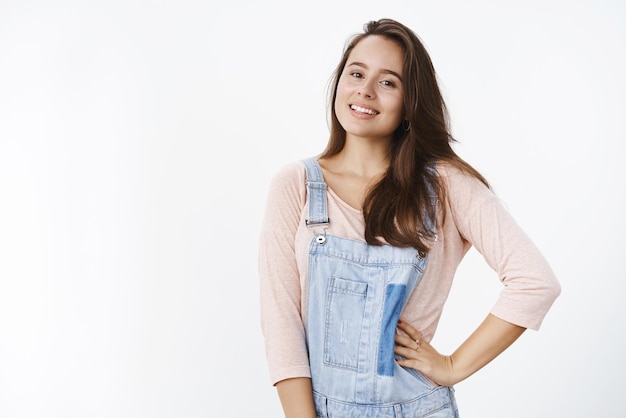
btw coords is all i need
(456, 372)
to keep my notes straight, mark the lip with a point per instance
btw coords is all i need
(363, 114)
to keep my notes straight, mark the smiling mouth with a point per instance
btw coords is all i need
(360, 109)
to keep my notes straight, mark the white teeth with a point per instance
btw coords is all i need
(363, 110)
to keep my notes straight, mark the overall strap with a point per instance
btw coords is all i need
(316, 194)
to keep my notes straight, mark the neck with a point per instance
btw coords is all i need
(365, 158)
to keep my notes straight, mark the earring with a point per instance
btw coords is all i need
(406, 125)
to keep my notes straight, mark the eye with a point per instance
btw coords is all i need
(388, 83)
(356, 74)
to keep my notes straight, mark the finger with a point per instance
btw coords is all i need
(408, 353)
(405, 341)
(411, 332)
(405, 326)
(413, 364)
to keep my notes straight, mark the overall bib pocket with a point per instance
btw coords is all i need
(345, 308)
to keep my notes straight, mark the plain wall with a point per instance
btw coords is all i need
(137, 141)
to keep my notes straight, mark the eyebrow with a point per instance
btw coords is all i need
(385, 70)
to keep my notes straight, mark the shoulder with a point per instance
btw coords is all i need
(289, 180)
(291, 173)
(454, 178)
(463, 191)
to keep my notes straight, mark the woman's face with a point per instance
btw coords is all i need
(369, 101)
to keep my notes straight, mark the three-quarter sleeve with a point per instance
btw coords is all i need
(280, 281)
(530, 286)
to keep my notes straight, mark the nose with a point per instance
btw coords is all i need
(367, 89)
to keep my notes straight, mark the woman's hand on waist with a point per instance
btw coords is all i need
(490, 339)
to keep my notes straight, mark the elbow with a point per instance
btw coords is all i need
(556, 290)
(552, 291)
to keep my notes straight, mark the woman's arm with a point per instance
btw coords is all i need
(490, 339)
(296, 397)
(476, 215)
(280, 293)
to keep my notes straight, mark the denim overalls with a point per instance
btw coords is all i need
(356, 293)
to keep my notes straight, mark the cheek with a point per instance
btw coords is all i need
(398, 108)
(344, 92)
(339, 106)
(343, 89)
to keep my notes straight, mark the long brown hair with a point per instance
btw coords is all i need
(396, 207)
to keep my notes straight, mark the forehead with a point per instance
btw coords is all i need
(378, 52)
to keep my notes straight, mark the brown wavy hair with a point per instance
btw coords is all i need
(396, 207)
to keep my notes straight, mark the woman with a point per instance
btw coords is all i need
(360, 245)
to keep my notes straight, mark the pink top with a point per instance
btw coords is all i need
(474, 216)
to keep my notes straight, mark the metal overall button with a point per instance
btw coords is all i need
(321, 239)
(421, 254)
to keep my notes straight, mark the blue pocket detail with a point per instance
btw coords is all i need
(394, 298)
